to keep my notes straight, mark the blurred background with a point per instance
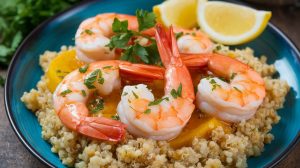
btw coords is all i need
(19, 17)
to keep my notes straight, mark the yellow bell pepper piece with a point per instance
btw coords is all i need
(60, 66)
(200, 127)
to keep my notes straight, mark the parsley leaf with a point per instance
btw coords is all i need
(89, 81)
(84, 68)
(178, 35)
(135, 95)
(65, 92)
(177, 93)
(115, 117)
(237, 89)
(157, 101)
(141, 52)
(120, 26)
(83, 93)
(120, 40)
(96, 105)
(147, 111)
(145, 19)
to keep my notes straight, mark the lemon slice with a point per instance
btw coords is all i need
(229, 23)
(177, 12)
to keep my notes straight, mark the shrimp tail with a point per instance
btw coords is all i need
(141, 72)
(176, 72)
(102, 128)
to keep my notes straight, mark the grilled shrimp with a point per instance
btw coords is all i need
(234, 99)
(193, 42)
(72, 94)
(94, 34)
(160, 119)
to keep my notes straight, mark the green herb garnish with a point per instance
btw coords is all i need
(214, 84)
(178, 35)
(96, 105)
(232, 76)
(84, 68)
(158, 101)
(83, 93)
(177, 93)
(125, 93)
(134, 52)
(65, 92)
(107, 67)
(115, 117)
(135, 95)
(89, 81)
(237, 89)
(147, 111)
(88, 31)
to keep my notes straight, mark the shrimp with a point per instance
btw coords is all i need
(193, 42)
(94, 34)
(234, 99)
(72, 94)
(160, 119)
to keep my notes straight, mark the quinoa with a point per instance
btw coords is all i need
(219, 150)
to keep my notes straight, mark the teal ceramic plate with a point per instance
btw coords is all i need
(24, 72)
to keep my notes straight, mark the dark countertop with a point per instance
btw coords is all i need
(14, 154)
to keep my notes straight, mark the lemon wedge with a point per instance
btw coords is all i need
(177, 12)
(231, 24)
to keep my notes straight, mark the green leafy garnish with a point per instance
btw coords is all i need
(135, 95)
(178, 35)
(145, 19)
(96, 105)
(101, 80)
(177, 93)
(107, 67)
(158, 101)
(115, 117)
(128, 40)
(83, 93)
(147, 111)
(214, 84)
(88, 31)
(89, 81)
(65, 92)
(84, 68)
(125, 93)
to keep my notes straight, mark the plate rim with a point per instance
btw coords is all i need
(41, 26)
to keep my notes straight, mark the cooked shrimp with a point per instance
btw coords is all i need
(231, 101)
(94, 34)
(160, 119)
(71, 96)
(193, 42)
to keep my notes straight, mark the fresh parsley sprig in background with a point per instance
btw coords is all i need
(126, 40)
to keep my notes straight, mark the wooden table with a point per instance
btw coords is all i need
(14, 154)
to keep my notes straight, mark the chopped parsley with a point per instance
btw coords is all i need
(107, 67)
(178, 35)
(147, 111)
(88, 31)
(125, 93)
(83, 93)
(158, 101)
(214, 84)
(232, 76)
(135, 95)
(96, 105)
(177, 93)
(89, 81)
(115, 117)
(125, 39)
(84, 68)
(65, 92)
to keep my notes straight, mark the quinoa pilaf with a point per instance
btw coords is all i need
(219, 150)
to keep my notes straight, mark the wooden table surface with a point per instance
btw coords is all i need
(14, 154)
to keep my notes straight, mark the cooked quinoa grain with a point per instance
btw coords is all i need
(219, 150)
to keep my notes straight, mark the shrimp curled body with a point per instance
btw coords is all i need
(71, 96)
(164, 119)
(233, 100)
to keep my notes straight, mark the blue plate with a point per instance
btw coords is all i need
(24, 73)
